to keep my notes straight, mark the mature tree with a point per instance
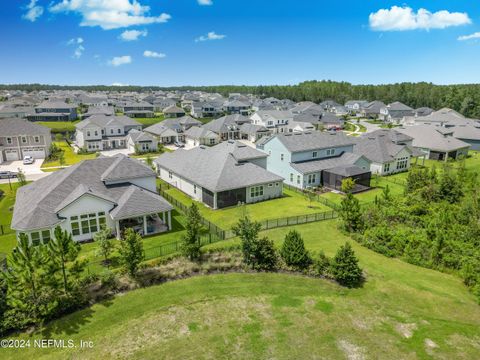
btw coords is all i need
(191, 240)
(63, 252)
(450, 188)
(293, 251)
(350, 211)
(247, 231)
(344, 267)
(105, 241)
(131, 251)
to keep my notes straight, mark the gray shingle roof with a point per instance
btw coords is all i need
(37, 204)
(427, 136)
(103, 120)
(224, 123)
(313, 140)
(14, 127)
(344, 159)
(379, 149)
(216, 168)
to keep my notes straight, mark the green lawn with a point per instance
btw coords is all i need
(71, 157)
(7, 241)
(149, 121)
(291, 204)
(402, 312)
(60, 126)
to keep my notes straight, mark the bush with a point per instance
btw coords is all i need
(264, 256)
(322, 264)
(293, 251)
(344, 267)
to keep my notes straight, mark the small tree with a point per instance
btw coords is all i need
(191, 240)
(310, 195)
(21, 177)
(131, 251)
(344, 267)
(264, 254)
(58, 137)
(105, 242)
(61, 158)
(349, 211)
(247, 231)
(322, 263)
(293, 251)
(63, 251)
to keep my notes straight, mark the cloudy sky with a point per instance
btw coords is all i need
(204, 42)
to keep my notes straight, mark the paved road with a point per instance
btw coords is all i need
(369, 127)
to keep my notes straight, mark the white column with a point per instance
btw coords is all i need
(145, 225)
(117, 228)
(169, 220)
(163, 217)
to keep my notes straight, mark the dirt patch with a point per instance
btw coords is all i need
(351, 351)
(406, 330)
(430, 345)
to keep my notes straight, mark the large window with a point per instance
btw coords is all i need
(45, 236)
(291, 177)
(311, 178)
(256, 191)
(402, 163)
(35, 238)
(330, 152)
(314, 154)
(386, 167)
(87, 223)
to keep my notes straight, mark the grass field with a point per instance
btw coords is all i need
(149, 121)
(291, 204)
(7, 241)
(60, 126)
(71, 157)
(402, 312)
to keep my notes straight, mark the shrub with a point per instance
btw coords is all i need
(322, 264)
(344, 267)
(293, 251)
(264, 256)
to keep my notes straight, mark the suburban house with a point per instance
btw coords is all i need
(101, 132)
(171, 130)
(220, 176)
(196, 136)
(118, 192)
(227, 127)
(311, 159)
(162, 104)
(173, 111)
(205, 109)
(373, 109)
(8, 110)
(19, 138)
(236, 107)
(423, 111)
(99, 110)
(54, 111)
(354, 106)
(138, 109)
(141, 142)
(396, 111)
(435, 142)
(252, 132)
(274, 120)
(389, 151)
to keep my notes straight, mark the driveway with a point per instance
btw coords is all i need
(32, 172)
(369, 127)
(116, 152)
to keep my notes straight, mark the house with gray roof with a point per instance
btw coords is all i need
(118, 192)
(140, 142)
(173, 111)
(220, 176)
(235, 106)
(388, 151)
(252, 132)
(355, 106)
(435, 142)
(227, 127)
(205, 109)
(395, 112)
(19, 138)
(304, 159)
(274, 120)
(373, 109)
(54, 111)
(102, 132)
(198, 135)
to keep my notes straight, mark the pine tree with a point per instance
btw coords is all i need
(191, 240)
(350, 213)
(247, 231)
(105, 242)
(344, 267)
(293, 251)
(131, 251)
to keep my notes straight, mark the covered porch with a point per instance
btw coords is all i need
(145, 225)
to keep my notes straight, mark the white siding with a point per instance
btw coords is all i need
(180, 183)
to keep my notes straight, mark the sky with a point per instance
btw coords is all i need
(248, 42)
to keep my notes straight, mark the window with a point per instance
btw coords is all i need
(298, 179)
(119, 131)
(330, 152)
(276, 184)
(37, 139)
(111, 131)
(291, 177)
(402, 163)
(314, 154)
(75, 228)
(88, 133)
(270, 185)
(93, 225)
(85, 227)
(24, 139)
(212, 141)
(281, 157)
(194, 189)
(35, 238)
(256, 191)
(386, 167)
(311, 178)
(170, 175)
(103, 132)
(9, 140)
(96, 133)
(45, 236)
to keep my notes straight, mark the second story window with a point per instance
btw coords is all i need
(111, 131)
(281, 157)
(9, 140)
(36, 139)
(330, 152)
(96, 133)
(24, 139)
(119, 131)
(314, 154)
(88, 133)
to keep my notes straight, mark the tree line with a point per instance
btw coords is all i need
(464, 98)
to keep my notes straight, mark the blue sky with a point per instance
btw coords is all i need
(79, 42)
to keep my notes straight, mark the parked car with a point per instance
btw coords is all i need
(7, 175)
(27, 160)
(179, 144)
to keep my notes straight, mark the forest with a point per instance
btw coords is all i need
(464, 98)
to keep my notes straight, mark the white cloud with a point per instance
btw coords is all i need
(210, 36)
(79, 49)
(153, 54)
(109, 14)
(120, 60)
(34, 11)
(132, 35)
(405, 18)
(205, 2)
(469, 37)
(119, 84)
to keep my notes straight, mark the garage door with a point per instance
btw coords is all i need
(36, 153)
(11, 155)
